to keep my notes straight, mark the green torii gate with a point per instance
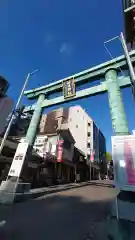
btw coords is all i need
(112, 83)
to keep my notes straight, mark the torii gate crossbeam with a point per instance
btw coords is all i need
(111, 84)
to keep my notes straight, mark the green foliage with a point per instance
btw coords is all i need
(108, 157)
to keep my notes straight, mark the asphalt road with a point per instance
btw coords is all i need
(77, 214)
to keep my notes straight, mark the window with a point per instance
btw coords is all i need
(66, 145)
(89, 124)
(88, 145)
(76, 126)
(88, 134)
(19, 157)
(78, 110)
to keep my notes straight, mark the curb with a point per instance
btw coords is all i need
(29, 196)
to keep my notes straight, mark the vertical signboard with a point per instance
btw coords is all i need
(123, 155)
(18, 160)
(92, 153)
(59, 150)
(69, 88)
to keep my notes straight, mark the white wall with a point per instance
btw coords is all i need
(78, 125)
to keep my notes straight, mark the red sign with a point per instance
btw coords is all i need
(60, 150)
(92, 157)
(92, 153)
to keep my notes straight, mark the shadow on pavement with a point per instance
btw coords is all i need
(58, 216)
(110, 185)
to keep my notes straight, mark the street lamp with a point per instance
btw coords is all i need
(16, 107)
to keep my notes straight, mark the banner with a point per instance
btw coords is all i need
(18, 160)
(92, 154)
(123, 155)
(59, 150)
(92, 157)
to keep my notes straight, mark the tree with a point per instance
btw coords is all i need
(108, 156)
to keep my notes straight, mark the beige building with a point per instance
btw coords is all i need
(88, 137)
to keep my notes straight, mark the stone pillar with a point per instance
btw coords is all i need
(32, 130)
(119, 121)
(9, 187)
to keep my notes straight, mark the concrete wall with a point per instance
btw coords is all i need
(78, 125)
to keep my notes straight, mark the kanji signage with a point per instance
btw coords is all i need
(18, 160)
(69, 88)
(59, 150)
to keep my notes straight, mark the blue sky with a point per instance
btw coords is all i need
(61, 38)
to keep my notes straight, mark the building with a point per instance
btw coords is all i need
(6, 103)
(129, 21)
(20, 124)
(80, 137)
(52, 162)
(87, 136)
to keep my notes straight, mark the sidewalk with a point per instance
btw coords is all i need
(35, 193)
(39, 192)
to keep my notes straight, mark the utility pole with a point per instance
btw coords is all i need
(16, 107)
(131, 69)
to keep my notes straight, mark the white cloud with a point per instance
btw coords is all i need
(66, 48)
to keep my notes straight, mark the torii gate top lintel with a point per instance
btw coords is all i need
(111, 84)
(91, 74)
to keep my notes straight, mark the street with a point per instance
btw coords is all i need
(77, 214)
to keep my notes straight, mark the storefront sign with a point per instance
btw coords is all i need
(18, 160)
(92, 153)
(123, 155)
(59, 150)
(92, 157)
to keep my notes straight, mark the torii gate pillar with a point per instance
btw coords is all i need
(119, 121)
(32, 130)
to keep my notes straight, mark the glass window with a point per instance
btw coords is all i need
(89, 124)
(88, 134)
(18, 157)
(88, 145)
